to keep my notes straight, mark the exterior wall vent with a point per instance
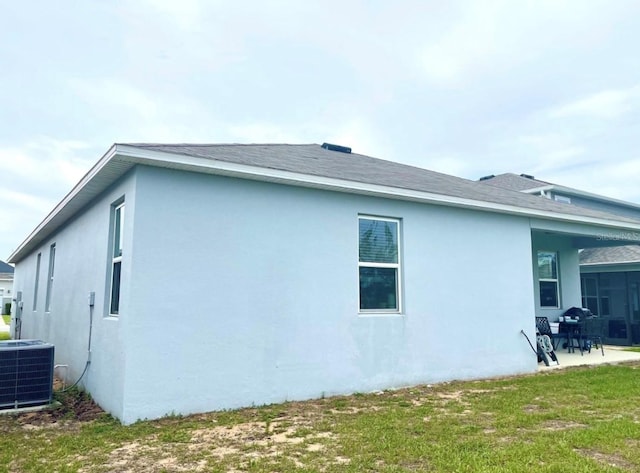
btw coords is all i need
(341, 149)
(26, 373)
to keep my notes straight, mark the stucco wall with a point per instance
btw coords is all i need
(246, 293)
(81, 266)
(569, 272)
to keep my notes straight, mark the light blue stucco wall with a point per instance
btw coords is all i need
(81, 266)
(569, 272)
(245, 292)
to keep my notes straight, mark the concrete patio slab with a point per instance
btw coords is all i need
(612, 354)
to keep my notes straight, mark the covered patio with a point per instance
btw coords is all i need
(557, 287)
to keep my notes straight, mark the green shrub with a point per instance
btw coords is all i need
(7, 309)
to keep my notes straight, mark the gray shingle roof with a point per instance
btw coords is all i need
(313, 160)
(309, 166)
(514, 182)
(5, 268)
(611, 255)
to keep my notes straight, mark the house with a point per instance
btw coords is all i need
(297, 271)
(610, 275)
(6, 286)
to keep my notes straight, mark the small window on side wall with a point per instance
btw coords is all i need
(116, 257)
(379, 264)
(52, 263)
(548, 279)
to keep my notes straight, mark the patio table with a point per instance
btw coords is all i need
(571, 330)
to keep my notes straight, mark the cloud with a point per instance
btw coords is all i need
(45, 161)
(607, 105)
(502, 38)
(35, 177)
(187, 14)
(605, 178)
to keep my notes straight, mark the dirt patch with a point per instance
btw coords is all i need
(609, 459)
(452, 396)
(239, 443)
(73, 405)
(529, 408)
(555, 425)
(142, 458)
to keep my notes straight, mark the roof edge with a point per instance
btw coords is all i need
(152, 157)
(581, 193)
(104, 160)
(133, 155)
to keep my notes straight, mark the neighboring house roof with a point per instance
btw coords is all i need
(513, 182)
(530, 185)
(310, 165)
(610, 255)
(6, 268)
(589, 256)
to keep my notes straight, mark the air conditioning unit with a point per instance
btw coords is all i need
(26, 373)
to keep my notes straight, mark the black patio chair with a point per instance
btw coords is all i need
(545, 345)
(593, 329)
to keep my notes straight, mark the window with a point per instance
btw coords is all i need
(379, 264)
(116, 258)
(548, 279)
(52, 261)
(562, 198)
(36, 282)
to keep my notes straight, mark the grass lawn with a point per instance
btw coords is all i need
(7, 319)
(5, 336)
(572, 420)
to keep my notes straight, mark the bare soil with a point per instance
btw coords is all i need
(72, 405)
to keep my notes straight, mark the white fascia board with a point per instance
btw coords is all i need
(213, 166)
(538, 190)
(106, 158)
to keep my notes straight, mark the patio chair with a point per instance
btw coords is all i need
(593, 329)
(544, 339)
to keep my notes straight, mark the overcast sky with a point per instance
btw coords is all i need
(470, 88)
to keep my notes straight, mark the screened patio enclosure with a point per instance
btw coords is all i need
(614, 296)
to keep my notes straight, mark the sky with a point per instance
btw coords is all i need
(469, 88)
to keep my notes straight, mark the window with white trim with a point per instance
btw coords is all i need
(36, 283)
(548, 279)
(52, 263)
(379, 264)
(116, 258)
